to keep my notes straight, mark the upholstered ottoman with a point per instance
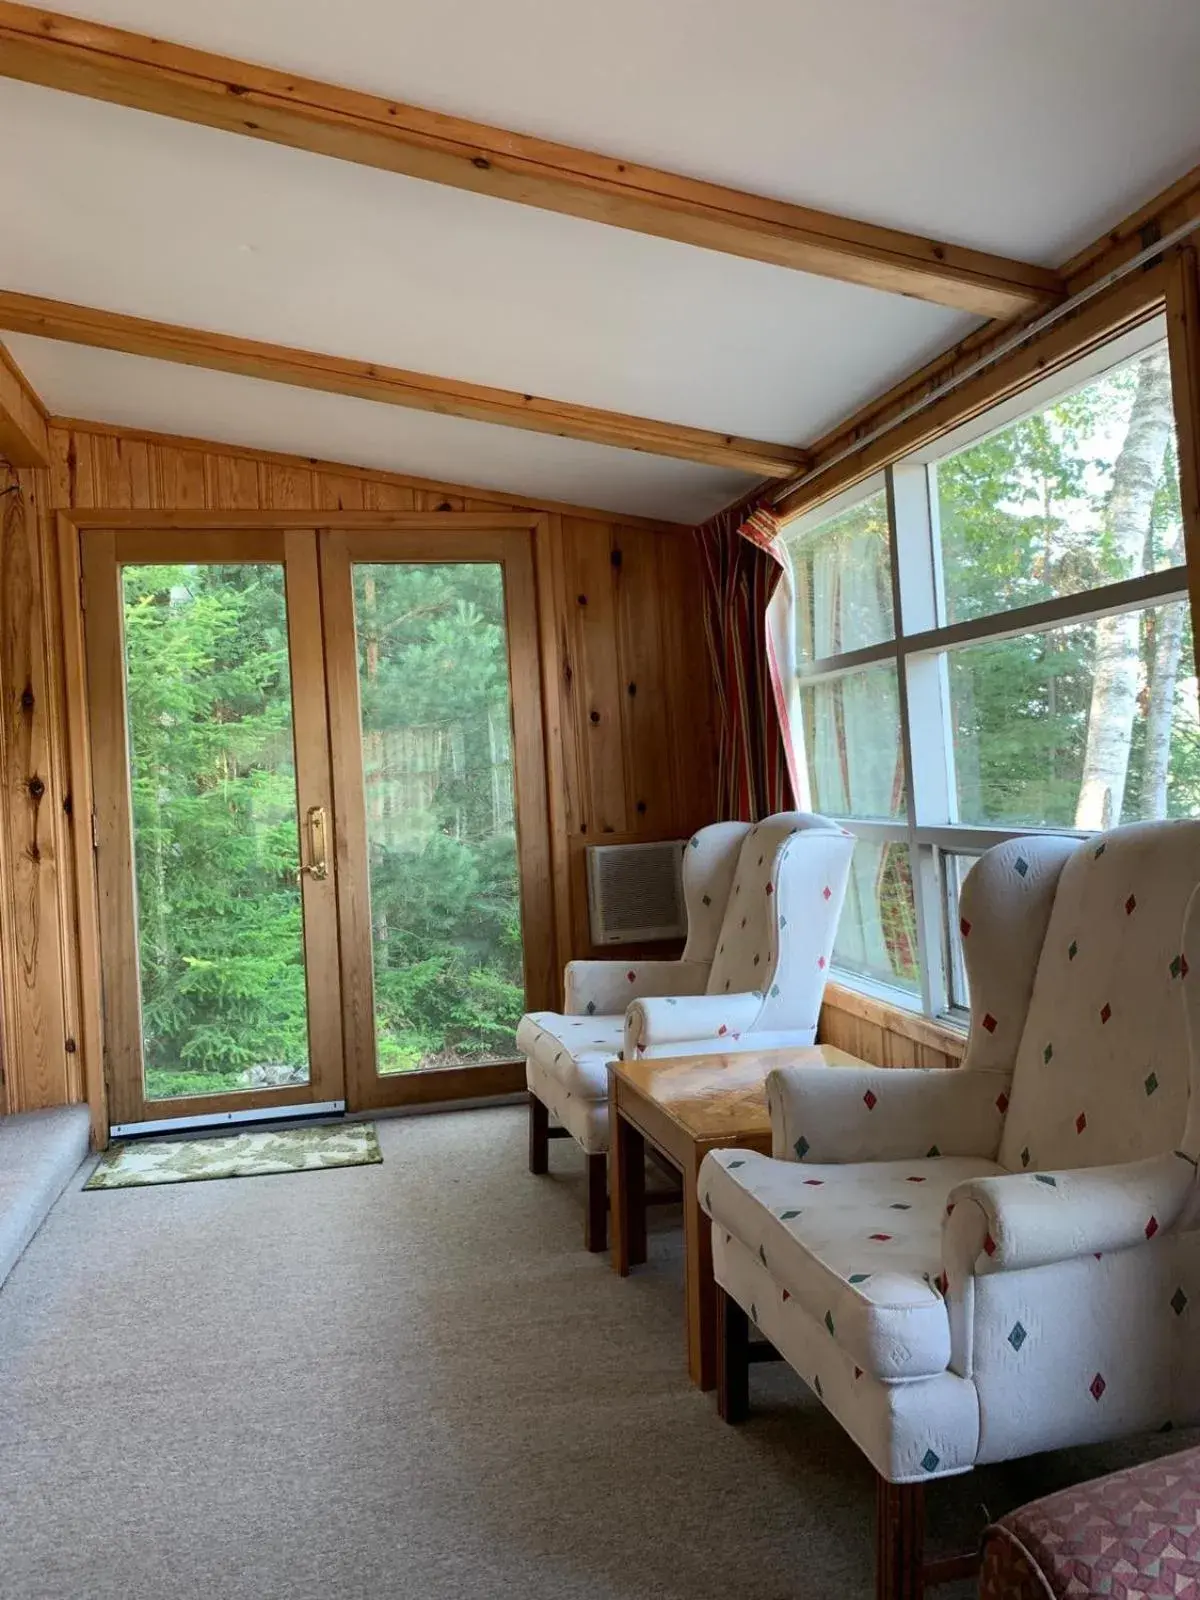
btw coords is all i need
(1135, 1533)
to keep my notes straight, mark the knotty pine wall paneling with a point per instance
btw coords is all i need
(38, 1047)
(886, 1035)
(626, 687)
(638, 689)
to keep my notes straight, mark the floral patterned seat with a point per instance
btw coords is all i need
(973, 1265)
(763, 903)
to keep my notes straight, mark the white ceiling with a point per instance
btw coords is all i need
(186, 224)
(132, 392)
(1024, 128)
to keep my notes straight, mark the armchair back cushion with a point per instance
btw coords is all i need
(777, 936)
(709, 862)
(1101, 1073)
(1004, 909)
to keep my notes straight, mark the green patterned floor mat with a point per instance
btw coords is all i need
(242, 1155)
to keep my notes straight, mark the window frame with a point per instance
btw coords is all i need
(930, 827)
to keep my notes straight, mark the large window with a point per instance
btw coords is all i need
(994, 638)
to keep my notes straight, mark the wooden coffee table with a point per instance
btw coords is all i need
(685, 1106)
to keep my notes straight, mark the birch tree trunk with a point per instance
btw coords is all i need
(1160, 702)
(1115, 668)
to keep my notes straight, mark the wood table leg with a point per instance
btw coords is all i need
(627, 1176)
(900, 1541)
(539, 1136)
(733, 1359)
(595, 1227)
(635, 1198)
(700, 1288)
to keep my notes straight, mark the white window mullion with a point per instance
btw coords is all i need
(1089, 605)
(930, 895)
(899, 518)
(940, 663)
(918, 582)
(924, 722)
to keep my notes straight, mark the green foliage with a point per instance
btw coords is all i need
(216, 832)
(844, 581)
(1025, 515)
(214, 820)
(444, 895)
(1023, 519)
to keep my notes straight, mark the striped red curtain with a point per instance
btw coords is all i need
(742, 570)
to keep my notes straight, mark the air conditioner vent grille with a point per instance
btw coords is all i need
(635, 892)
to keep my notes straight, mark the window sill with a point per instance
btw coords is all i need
(946, 1037)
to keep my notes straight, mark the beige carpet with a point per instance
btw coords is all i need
(404, 1380)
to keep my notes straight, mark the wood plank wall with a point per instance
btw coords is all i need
(38, 1048)
(885, 1035)
(626, 684)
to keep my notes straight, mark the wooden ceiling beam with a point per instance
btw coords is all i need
(24, 440)
(172, 80)
(368, 380)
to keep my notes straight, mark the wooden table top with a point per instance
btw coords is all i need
(719, 1097)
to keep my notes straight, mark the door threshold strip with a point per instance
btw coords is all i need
(224, 1119)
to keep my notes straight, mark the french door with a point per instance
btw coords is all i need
(442, 842)
(320, 815)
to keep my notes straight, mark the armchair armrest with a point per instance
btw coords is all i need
(605, 988)
(696, 1019)
(1028, 1219)
(832, 1114)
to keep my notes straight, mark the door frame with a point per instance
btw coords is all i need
(441, 528)
(105, 553)
(511, 548)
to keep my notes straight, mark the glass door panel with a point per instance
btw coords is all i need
(213, 792)
(445, 890)
(216, 829)
(437, 764)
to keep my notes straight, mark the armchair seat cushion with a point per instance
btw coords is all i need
(859, 1247)
(573, 1050)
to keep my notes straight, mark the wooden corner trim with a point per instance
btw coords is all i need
(24, 432)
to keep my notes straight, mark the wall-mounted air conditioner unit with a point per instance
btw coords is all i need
(635, 892)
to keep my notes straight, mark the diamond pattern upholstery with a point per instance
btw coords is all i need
(726, 866)
(1044, 1284)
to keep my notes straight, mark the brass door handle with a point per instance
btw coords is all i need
(315, 827)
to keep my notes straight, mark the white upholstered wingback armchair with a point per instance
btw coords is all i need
(976, 1264)
(763, 902)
